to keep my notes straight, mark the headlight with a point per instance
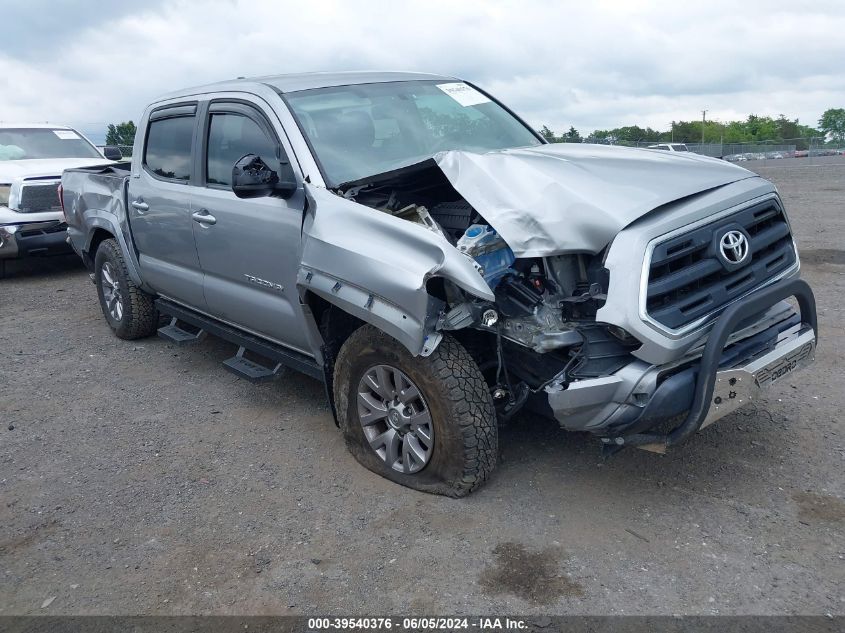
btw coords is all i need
(5, 191)
(7, 235)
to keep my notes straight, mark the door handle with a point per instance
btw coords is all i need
(140, 205)
(203, 217)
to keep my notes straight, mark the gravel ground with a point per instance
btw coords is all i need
(142, 478)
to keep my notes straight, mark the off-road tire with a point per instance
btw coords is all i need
(140, 317)
(465, 432)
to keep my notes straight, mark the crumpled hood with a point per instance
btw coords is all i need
(34, 167)
(561, 198)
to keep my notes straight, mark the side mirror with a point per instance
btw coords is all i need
(252, 178)
(112, 152)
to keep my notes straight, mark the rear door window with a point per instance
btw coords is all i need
(168, 150)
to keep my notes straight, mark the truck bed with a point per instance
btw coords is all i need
(92, 194)
(98, 187)
(103, 173)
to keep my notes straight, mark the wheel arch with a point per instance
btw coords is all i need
(413, 328)
(97, 237)
(103, 226)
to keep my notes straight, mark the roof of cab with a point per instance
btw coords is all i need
(308, 81)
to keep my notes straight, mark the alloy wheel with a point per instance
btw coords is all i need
(395, 419)
(112, 294)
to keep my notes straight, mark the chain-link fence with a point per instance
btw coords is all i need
(741, 152)
(126, 150)
(735, 150)
(768, 150)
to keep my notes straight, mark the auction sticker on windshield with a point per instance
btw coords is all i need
(463, 94)
(66, 135)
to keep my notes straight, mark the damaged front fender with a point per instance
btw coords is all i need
(375, 267)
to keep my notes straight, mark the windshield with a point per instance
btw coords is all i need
(680, 148)
(363, 130)
(25, 143)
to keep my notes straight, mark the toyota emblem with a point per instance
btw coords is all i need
(734, 247)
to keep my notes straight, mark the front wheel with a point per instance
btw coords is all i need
(426, 423)
(129, 311)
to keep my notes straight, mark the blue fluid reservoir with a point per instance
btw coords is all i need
(487, 247)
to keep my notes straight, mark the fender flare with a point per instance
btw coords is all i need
(414, 331)
(101, 220)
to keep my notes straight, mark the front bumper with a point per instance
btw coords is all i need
(626, 407)
(33, 239)
(737, 386)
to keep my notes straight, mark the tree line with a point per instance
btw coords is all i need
(754, 129)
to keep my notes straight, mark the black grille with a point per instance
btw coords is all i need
(40, 197)
(688, 277)
(56, 228)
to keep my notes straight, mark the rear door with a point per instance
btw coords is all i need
(160, 205)
(249, 250)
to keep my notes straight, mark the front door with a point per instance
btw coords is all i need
(159, 206)
(249, 250)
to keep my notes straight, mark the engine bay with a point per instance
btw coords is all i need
(542, 304)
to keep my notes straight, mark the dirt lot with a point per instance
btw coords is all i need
(143, 478)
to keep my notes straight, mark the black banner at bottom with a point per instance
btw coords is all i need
(424, 624)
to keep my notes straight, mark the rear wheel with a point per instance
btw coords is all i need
(129, 311)
(426, 423)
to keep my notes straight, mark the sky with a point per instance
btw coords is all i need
(591, 65)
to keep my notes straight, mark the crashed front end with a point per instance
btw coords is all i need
(612, 308)
(711, 334)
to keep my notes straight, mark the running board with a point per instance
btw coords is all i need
(251, 370)
(175, 334)
(261, 347)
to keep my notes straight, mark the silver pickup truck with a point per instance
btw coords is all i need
(411, 242)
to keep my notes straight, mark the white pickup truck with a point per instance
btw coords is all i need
(32, 158)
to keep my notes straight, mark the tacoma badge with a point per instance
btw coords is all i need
(263, 282)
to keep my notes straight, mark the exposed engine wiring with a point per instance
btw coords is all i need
(573, 360)
(502, 368)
